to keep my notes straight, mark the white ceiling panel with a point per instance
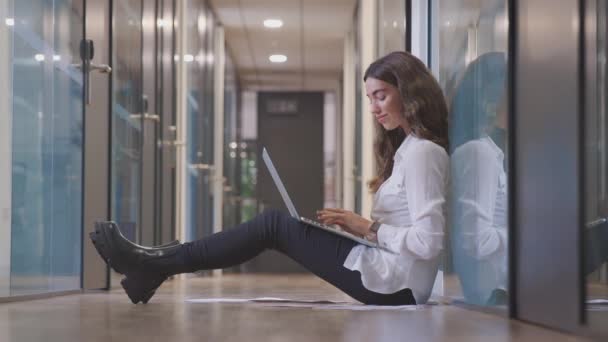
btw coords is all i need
(312, 38)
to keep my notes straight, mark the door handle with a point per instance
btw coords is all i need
(202, 167)
(173, 142)
(87, 52)
(101, 68)
(145, 116)
(596, 223)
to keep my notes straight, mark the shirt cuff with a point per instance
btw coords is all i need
(386, 236)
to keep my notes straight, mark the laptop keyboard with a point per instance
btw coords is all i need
(315, 223)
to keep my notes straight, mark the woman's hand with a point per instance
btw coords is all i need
(347, 220)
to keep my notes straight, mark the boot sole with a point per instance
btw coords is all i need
(101, 240)
(133, 291)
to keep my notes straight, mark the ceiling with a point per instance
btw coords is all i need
(312, 38)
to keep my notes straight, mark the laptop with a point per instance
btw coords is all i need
(294, 213)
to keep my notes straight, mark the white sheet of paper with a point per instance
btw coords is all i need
(313, 304)
(262, 300)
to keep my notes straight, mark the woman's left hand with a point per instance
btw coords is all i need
(347, 220)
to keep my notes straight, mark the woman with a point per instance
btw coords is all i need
(408, 215)
(479, 205)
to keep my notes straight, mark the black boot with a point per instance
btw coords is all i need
(145, 268)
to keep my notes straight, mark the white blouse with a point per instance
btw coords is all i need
(410, 205)
(479, 231)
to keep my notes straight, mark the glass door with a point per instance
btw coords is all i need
(231, 143)
(127, 119)
(40, 44)
(595, 230)
(471, 43)
(200, 170)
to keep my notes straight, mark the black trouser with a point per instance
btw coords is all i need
(320, 252)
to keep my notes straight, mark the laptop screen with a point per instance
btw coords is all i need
(279, 184)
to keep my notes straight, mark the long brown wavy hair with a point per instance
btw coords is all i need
(424, 108)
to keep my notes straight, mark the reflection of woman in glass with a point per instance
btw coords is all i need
(479, 203)
(407, 217)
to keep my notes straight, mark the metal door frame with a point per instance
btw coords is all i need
(96, 170)
(168, 143)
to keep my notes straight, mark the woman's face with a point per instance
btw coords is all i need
(385, 103)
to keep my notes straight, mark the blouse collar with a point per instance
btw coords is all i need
(494, 147)
(403, 147)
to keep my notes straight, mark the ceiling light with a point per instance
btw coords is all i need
(273, 23)
(56, 58)
(39, 57)
(278, 58)
(9, 22)
(188, 58)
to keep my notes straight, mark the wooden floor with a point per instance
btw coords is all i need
(109, 316)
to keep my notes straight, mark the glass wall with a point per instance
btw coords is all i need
(247, 154)
(469, 58)
(231, 208)
(595, 231)
(40, 43)
(6, 115)
(391, 26)
(126, 118)
(199, 64)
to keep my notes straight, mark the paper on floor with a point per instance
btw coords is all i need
(597, 301)
(313, 304)
(261, 300)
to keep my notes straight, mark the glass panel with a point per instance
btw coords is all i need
(6, 81)
(231, 146)
(249, 178)
(391, 26)
(191, 49)
(194, 109)
(471, 47)
(198, 60)
(596, 187)
(126, 116)
(47, 146)
(208, 123)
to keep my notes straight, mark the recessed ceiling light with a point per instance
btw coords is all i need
(273, 23)
(9, 22)
(277, 58)
(39, 57)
